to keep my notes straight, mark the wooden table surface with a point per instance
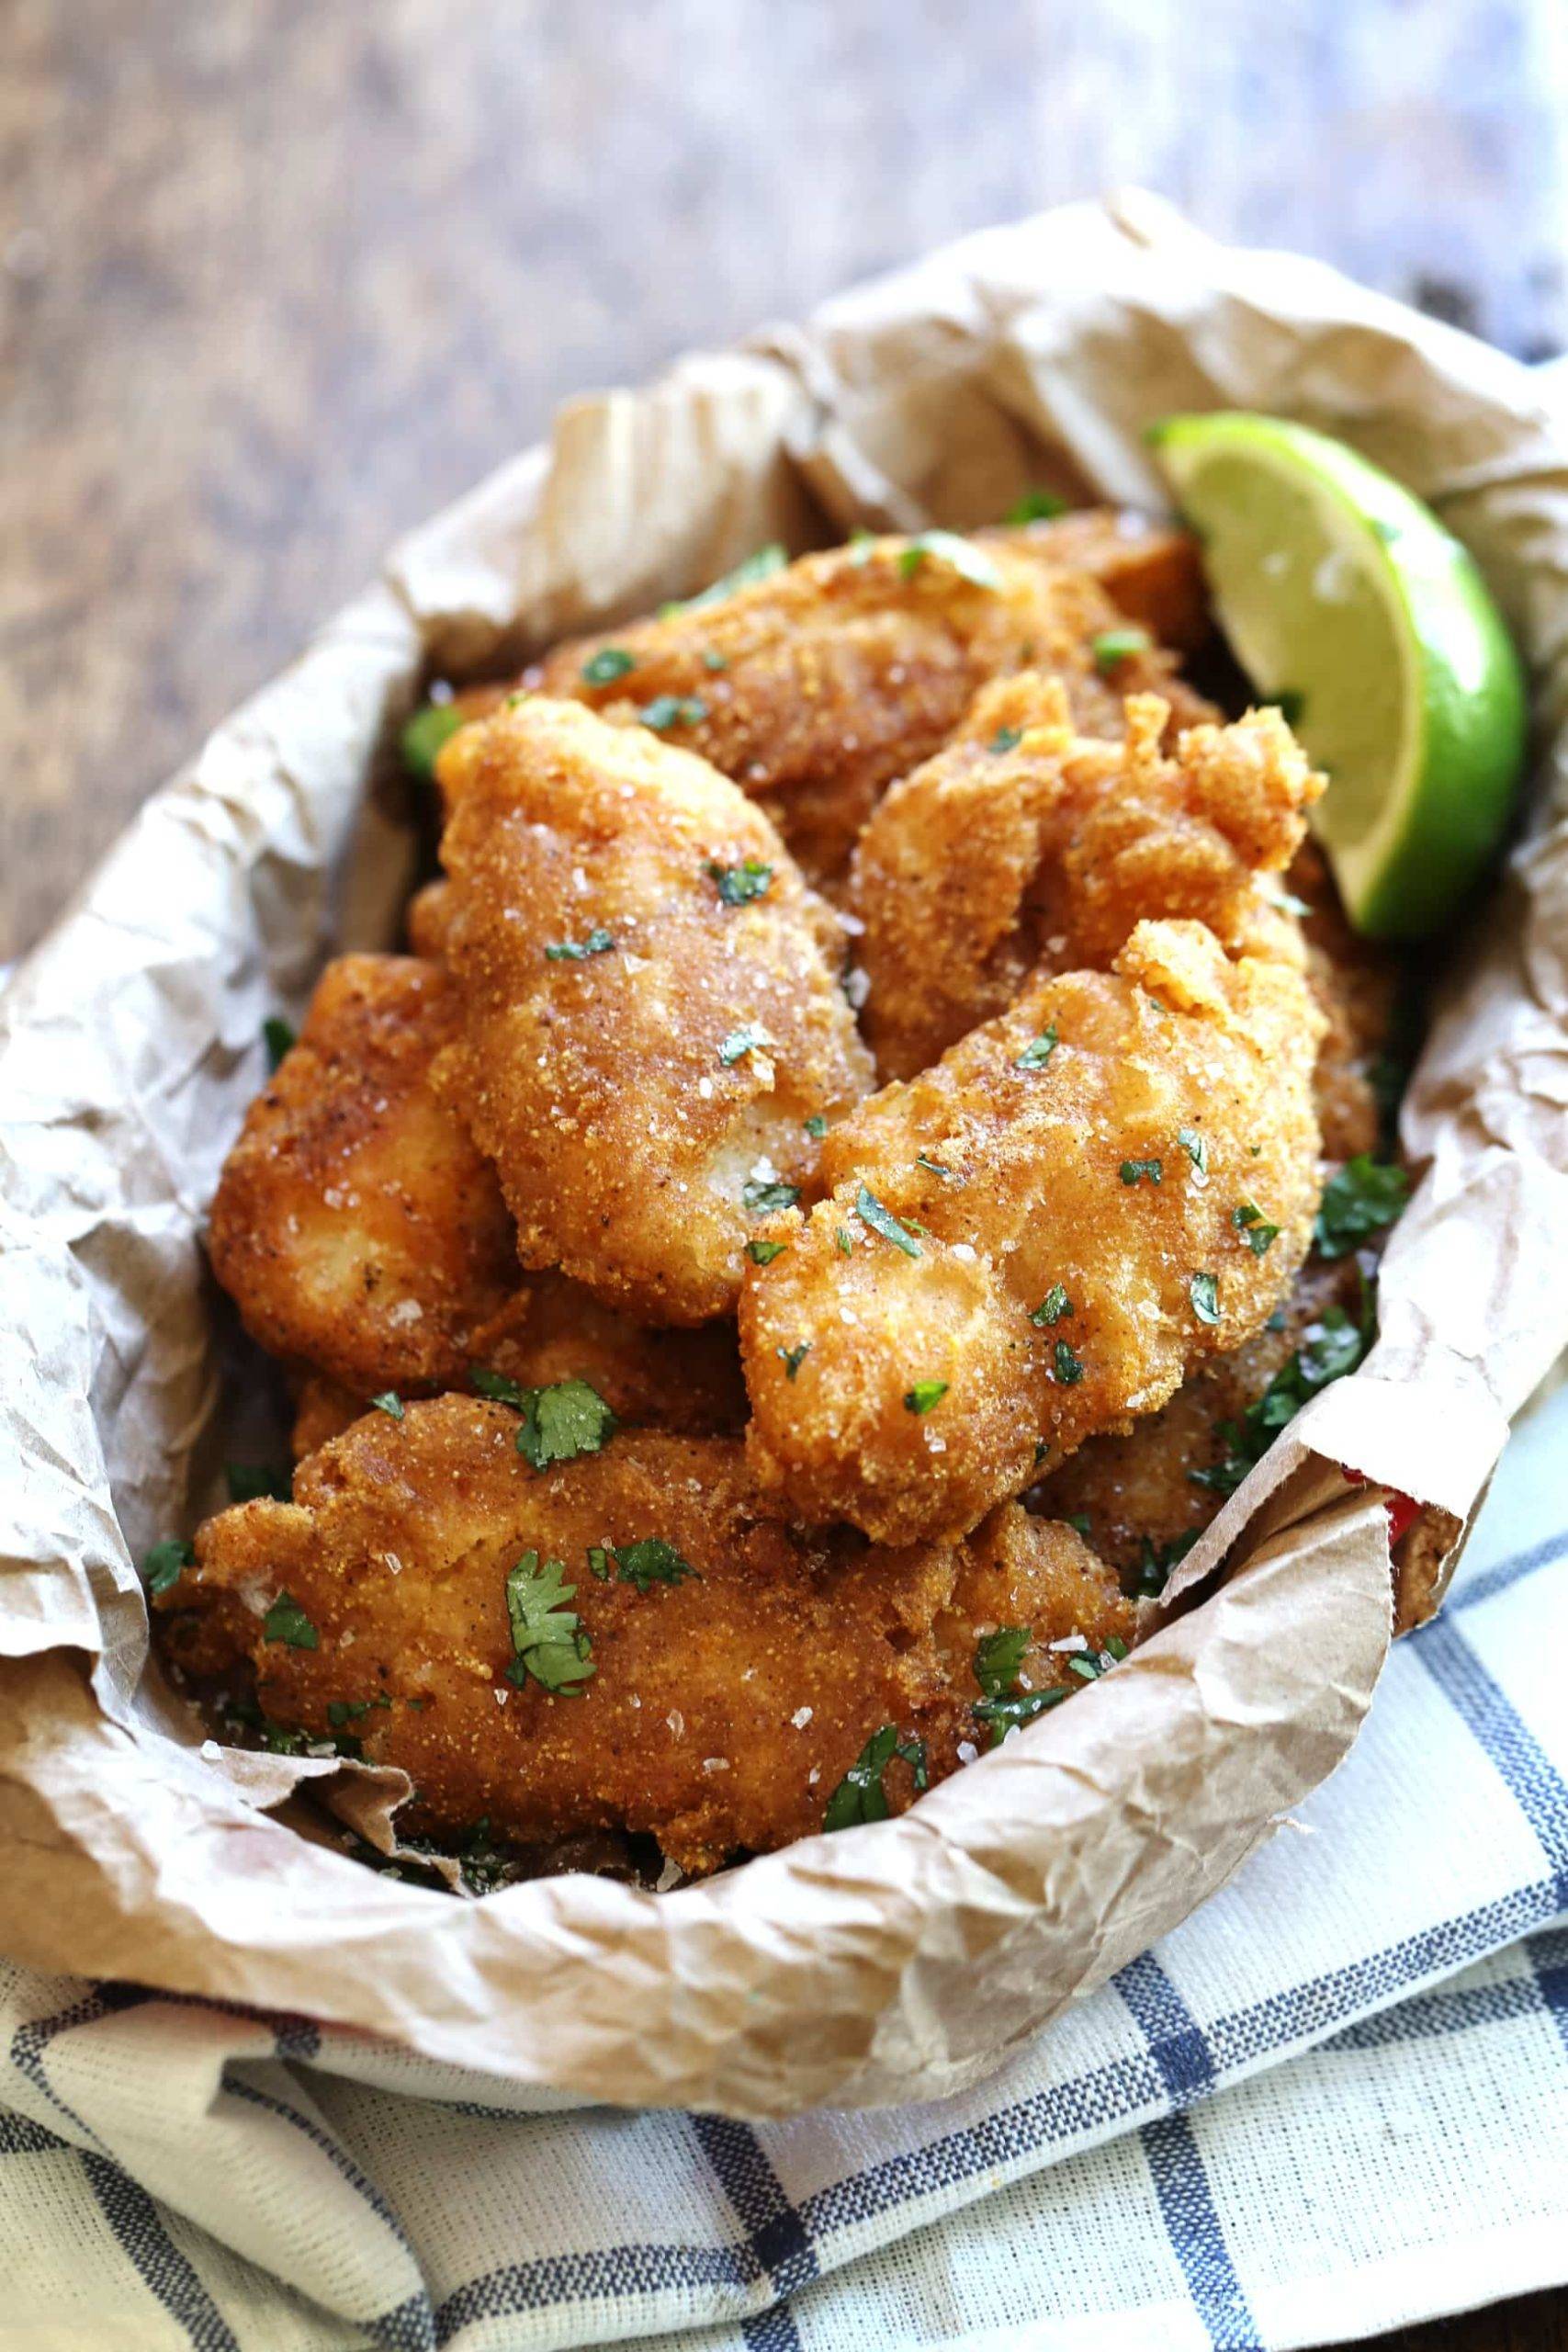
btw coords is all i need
(279, 276)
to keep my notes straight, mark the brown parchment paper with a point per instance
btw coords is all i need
(894, 1962)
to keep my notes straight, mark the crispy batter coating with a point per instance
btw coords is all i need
(651, 1010)
(1073, 1168)
(1025, 848)
(554, 1331)
(1356, 983)
(723, 1708)
(814, 687)
(355, 1225)
(429, 911)
(1138, 1488)
(1152, 572)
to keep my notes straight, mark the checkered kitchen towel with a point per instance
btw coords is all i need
(1334, 2101)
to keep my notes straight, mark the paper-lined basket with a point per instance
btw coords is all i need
(895, 1962)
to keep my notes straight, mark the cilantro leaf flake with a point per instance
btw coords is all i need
(1358, 1200)
(738, 884)
(561, 1421)
(1038, 1052)
(1115, 646)
(547, 1639)
(610, 662)
(650, 1561)
(164, 1563)
(924, 1395)
(287, 1621)
(1055, 1308)
(960, 555)
(1204, 1291)
(870, 1211)
(599, 941)
(860, 1796)
(278, 1036)
(762, 1196)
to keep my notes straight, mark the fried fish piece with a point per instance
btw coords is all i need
(1356, 984)
(429, 1594)
(356, 1226)
(1035, 1239)
(1025, 848)
(1152, 571)
(1143, 1494)
(815, 686)
(651, 1013)
(555, 1330)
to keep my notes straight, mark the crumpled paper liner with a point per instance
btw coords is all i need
(894, 1962)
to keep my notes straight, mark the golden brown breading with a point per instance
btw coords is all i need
(355, 1225)
(813, 688)
(1152, 572)
(1138, 1488)
(651, 1012)
(1074, 1167)
(429, 911)
(1355, 981)
(554, 1331)
(722, 1710)
(1025, 848)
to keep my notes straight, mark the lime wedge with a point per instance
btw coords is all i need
(1348, 605)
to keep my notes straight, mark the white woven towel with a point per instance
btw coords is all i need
(173, 2173)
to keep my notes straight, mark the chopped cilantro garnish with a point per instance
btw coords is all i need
(599, 1562)
(998, 1657)
(164, 1564)
(793, 1358)
(844, 1238)
(1196, 1148)
(1066, 1367)
(673, 710)
(1358, 1199)
(1254, 1228)
(1113, 646)
(1036, 506)
(1155, 1561)
(1007, 739)
(483, 1865)
(277, 1035)
(1332, 1347)
(860, 1796)
(870, 1211)
(1039, 1050)
(1134, 1170)
(496, 1384)
(547, 1638)
(349, 1711)
(650, 1561)
(935, 1168)
(248, 1481)
(762, 1196)
(741, 1042)
(739, 884)
(762, 1253)
(817, 1125)
(998, 1660)
(1078, 1521)
(287, 1621)
(563, 1420)
(389, 1403)
(761, 565)
(712, 659)
(610, 662)
(1053, 1306)
(423, 736)
(924, 1395)
(970, 563)
(599, 941)
(1204, 1293)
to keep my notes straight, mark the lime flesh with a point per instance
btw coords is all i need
(1348, 605)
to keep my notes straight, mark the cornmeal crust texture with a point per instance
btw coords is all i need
(1042, 1230)
(652, 1015)
(814, 687)
(728, 1675)
(819, 1222)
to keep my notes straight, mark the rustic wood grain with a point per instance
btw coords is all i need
(278, 277)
